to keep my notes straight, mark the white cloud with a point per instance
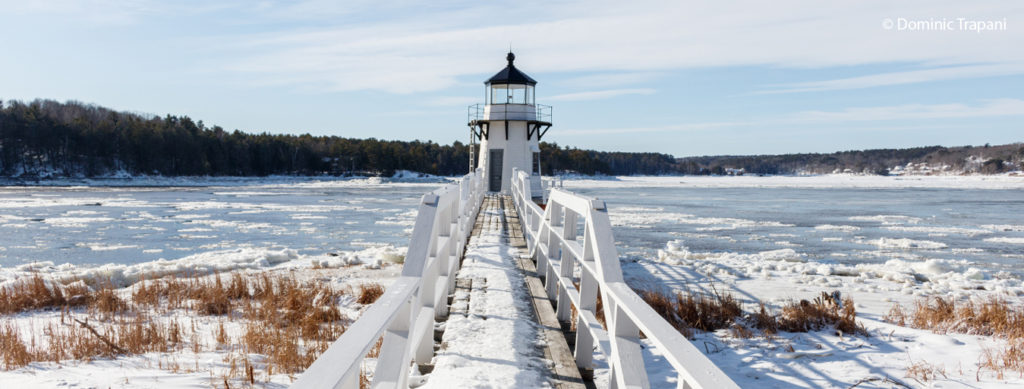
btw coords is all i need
(669, 128)
(408, 47)
(893, 113)
(113, 12)
(611, 79)
(599, 94)
(995, 107)
(433, 49)
(453, 101)
(899, 78)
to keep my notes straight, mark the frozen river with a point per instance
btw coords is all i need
(984, 227)
(955, 223)
(92, 226)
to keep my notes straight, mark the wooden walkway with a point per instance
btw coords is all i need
(564, 372)
(502, 330)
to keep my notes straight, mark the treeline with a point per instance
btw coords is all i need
(45, 138)
(563, 160)
(924, 160)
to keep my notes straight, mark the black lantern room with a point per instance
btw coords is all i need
(510, 86)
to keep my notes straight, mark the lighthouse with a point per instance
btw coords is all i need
(509, 126)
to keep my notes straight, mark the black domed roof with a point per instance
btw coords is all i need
(511, 75)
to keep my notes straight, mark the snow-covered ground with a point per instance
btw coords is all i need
(202, 360)
(814, 181)
(125, 180)
(878, 240)
(824, 358)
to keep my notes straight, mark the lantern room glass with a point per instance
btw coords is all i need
(510, 94)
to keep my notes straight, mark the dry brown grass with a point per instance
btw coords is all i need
(291, 323)
(740, 331)
(662, 304)
(992, 317)
(369, 293)
(222, 337)
(213, 299)
(288, 321)
(107, 301)
(364, 381)
(922, 372)
(707, 313)
(375, 350)
(34, 293)
(85, 340)
(722, 310)
(896, 315)
(15, 352)
(693, 311)
(764, 320)
(826, 310)
(999, 361)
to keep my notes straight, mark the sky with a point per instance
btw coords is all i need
(679, 77)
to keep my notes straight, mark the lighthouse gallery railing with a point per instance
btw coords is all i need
(405, 313)
(475, 112)
(551, 235)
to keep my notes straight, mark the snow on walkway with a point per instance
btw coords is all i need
(496, 344)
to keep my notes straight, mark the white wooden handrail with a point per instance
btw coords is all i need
(405, 314)
(561, 252)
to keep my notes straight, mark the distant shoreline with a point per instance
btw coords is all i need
(1012, 180)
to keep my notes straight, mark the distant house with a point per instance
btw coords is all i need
(735, 172)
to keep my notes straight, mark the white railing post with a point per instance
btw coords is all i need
(568, 266)
(584, 352)
(424, 303)
(394, 351)
(541, 256)
(554, 248)
(404, 315)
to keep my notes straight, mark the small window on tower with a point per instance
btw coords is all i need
(536, 163)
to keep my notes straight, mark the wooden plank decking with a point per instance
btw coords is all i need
(454, 359)
(565, 373)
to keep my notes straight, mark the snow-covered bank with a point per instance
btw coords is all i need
(205, 350)
(826, 358)
(779, 276)
(820, 181)
(403, 176)
(995, 181)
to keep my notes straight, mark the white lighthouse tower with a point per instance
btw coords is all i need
(509, 127)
